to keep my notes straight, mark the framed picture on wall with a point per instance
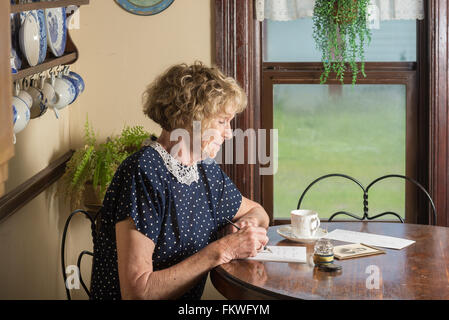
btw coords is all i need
(144, 7)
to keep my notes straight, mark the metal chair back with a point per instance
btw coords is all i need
(83, 253)
(365, 197)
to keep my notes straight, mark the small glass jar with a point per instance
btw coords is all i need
(323, 252)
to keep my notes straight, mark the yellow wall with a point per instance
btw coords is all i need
(120, 54)
(30, 239)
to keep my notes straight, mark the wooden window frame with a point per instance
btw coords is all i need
(378, 73)
(238, 50)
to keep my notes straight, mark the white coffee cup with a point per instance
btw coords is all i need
(305, 223)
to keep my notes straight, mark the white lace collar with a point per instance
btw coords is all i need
(184, 174)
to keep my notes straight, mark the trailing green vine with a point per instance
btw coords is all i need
(341, 32)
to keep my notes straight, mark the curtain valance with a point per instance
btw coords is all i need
(284, 10)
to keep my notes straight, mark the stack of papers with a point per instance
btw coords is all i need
(369, 239)
(282, 254)
(299, 254)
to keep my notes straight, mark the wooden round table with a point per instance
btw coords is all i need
(419, 271)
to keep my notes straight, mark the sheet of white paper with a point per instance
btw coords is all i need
(369, 239)
(282, 254)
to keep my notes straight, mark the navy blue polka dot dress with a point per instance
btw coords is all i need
(179, 208)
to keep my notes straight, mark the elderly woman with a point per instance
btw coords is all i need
(166, 203)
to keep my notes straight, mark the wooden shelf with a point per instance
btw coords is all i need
(15, 8)
(20, 196)
(23, 194)
(68, 58)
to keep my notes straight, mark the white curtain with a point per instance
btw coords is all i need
(283, 10)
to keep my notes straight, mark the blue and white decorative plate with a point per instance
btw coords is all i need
(15, 46)
(144, 7)
(16, 59)
(56, 30)
(40, 17)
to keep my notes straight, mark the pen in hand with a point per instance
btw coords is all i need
(238, 228)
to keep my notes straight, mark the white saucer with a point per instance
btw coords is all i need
(287, 232)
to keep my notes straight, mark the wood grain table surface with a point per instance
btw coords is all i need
(419, 271)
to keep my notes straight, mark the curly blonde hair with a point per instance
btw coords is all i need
(184, 94)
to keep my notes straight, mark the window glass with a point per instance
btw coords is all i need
(356, 130)
(292, 41)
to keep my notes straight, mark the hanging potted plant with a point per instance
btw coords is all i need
(341, 32)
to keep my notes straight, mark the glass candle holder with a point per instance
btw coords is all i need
(323, 252)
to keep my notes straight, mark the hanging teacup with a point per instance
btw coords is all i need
(65, 92)
(21, 112)
(39, 107)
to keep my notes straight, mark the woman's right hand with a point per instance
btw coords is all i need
(242, 244)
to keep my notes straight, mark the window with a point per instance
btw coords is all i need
(293, 41)
(365, 131)
(239, 50)
(323, 129)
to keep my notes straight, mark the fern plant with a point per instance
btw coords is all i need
(96, 163)
(341, 32)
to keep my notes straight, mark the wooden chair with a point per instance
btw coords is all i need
(365, 197)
